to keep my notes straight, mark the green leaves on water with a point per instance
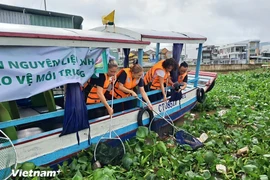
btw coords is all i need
(245, 126)
(142, 133)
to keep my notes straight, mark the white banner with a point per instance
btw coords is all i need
(27, 71)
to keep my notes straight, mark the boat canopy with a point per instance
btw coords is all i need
(28, 35)
(154, 36)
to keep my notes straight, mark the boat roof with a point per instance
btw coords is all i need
(29, 35)
(77, 20)
(154, 36)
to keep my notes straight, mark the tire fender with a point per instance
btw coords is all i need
(200, 95)
(140, 115)
(211, 86)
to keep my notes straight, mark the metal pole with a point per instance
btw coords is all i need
(157, 52)
(45, 5)
(140, 57)
(198, 65)
(140, 62)
(185, 51)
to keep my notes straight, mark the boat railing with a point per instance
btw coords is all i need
(60, 113)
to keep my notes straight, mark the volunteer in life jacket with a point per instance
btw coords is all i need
(182, 75)
(127, 79)
(95, 89)
(157, 76)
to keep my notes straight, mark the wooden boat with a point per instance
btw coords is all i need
(29, 109)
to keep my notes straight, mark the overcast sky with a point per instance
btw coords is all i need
(221, 21)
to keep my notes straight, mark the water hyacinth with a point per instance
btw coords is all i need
(245, 98)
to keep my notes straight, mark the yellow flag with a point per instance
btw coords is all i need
(109, 19)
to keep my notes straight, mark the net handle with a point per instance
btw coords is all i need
(157, 113)
(15, 164)
(166, 91)
(110, 129)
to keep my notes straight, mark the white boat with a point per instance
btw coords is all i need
(47, 148)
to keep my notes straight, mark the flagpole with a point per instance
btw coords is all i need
(45, 5)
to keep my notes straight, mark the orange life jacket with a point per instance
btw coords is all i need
(149, 76)
(181, 77)
(92, 96)
(130, 83)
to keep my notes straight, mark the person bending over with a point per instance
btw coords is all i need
(95, 89)
(127, 80)
(157, 76)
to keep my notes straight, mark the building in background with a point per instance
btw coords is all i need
(209, 54)
(27, 16)
(152, 54)
(165, 53)
(264, 52)
(242, 52)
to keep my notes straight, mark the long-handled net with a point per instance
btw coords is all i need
(181, 136)
(159, 124)
(8, 156)
(110, 148)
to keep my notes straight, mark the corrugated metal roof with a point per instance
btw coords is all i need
(51, 21)
(14, 17)
(40, 17)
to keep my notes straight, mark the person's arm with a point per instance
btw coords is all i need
(122, 88)
(121, 81)
(145, 97)
(184, 82)
(103, 100)
(170, 81)
(99, 82)
(161, 75)
(161, 81)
